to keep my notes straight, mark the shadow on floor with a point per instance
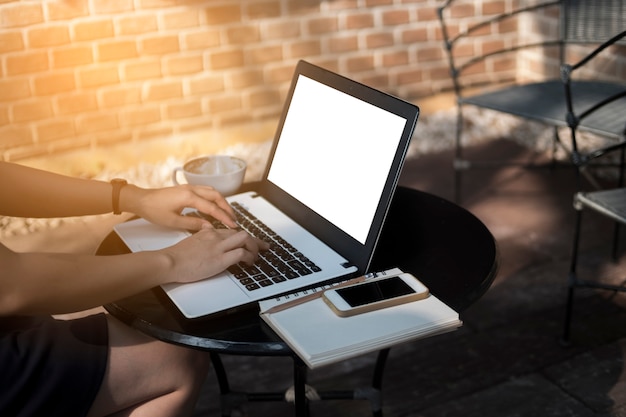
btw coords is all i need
(506, 360)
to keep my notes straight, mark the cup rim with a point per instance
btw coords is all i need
(243, 164)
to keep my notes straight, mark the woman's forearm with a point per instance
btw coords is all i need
(45, 194)
(63, 283)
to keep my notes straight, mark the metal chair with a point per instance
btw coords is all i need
(611, 203)
(580, 22)
(608, 111)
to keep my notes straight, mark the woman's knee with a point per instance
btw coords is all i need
(191, 364)
(172, 362)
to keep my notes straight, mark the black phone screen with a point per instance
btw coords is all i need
(372, 292)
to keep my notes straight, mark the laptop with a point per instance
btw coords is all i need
(331, 174)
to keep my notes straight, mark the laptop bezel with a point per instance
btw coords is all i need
(358, 254)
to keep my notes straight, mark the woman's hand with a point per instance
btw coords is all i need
(164, 205)
(210, 251)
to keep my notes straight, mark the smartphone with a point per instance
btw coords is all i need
(374, 294)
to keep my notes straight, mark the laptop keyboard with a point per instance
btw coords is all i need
(282, 262)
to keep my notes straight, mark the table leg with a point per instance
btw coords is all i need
(222, 379)
(231, 400)
(299, 379)
(377, 382)
(228, 400)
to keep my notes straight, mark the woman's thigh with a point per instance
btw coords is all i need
(141, 369)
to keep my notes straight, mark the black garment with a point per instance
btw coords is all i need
(51, 367)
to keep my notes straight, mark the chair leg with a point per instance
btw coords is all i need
(616, 231)
(458, 164)
(556, 141)
(457, 185)
(620, 183)
(572, 279)
(569, 306)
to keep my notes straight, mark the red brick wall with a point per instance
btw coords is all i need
(85, 73)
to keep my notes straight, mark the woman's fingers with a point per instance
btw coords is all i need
(210, 251)
(241, 247)
(232, 246)
(209, 201)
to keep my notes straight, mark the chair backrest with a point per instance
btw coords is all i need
(581, 22)
(592, 21)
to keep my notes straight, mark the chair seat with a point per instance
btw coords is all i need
(611, 203)
(545, 102)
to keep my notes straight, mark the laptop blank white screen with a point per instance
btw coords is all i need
(334, 155)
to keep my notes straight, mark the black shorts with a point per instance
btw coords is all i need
(51, 367)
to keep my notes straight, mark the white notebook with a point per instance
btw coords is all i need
(320, 337)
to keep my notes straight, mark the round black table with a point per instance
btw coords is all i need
(441, 243)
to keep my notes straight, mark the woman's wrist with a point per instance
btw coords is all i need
(129, 198)
(117, 184)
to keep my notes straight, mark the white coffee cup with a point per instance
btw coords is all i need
(222, 172)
